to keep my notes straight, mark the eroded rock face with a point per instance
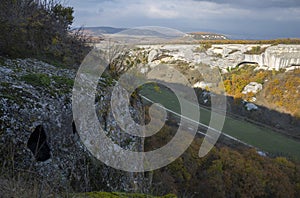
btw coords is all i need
(226, 56)
(37, 125)
(277, 57)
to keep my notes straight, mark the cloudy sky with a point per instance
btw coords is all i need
(238, 18)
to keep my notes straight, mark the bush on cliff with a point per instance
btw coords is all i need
(40, 29)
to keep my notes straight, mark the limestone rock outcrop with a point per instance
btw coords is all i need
(253, 87)
(277, 57)
(226, 56)
(153, 54)
(37, 129)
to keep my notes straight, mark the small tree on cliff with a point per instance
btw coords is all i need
(39, 29)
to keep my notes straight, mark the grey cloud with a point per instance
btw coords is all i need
(258, 3)
(257, 18)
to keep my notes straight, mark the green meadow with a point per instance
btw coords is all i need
(260, 137)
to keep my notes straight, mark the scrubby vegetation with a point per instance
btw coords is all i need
(238, 78)
(280, 89)
(40, 29)
(256, 50)
(53, 84)
(203, 47)
(235, 81)
(37, 79)
(225, 172)
(283, 91)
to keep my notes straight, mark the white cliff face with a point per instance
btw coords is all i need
(277, 57)
(228, 56)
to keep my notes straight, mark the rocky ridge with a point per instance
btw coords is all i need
(36, 107)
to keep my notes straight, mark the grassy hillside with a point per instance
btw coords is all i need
(280, 91)
(260, 137)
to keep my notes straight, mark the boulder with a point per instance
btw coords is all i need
(253, 87)
(250, 106)
(153, 54)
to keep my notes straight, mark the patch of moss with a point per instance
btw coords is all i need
(54, 62)
(7, 96)
(2, 60)
(63, 81)
(10, 93)
(61, 85)
(5, 84)
(37, 79)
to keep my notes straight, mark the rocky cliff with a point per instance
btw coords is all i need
(38, 135)
(226, 56)
(277, 57)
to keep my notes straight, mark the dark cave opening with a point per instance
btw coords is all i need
(38, 145)
(74, 128)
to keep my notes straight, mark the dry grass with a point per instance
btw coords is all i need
(24, 186)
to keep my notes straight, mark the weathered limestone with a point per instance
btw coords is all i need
(277, 57)
(36, 118)
(227, 56)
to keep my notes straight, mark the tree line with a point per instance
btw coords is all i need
(40, 29)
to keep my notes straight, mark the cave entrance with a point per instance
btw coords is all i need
(38, 145)
(246, 63)
(74, 128)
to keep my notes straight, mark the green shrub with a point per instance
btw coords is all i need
(203, 47)
(256, 50)
(37, 79)
(63, 81)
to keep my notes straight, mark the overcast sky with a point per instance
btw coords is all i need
(246, 18)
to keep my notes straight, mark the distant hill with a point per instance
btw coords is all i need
(153, 32)
(147, 32)
(103, 30)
